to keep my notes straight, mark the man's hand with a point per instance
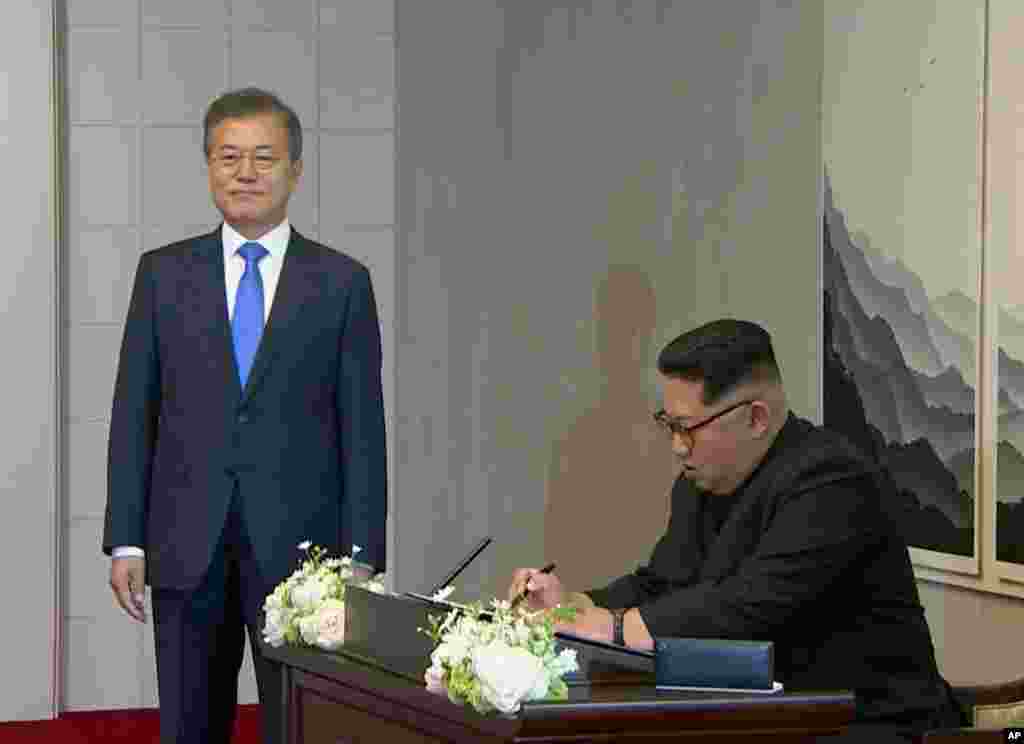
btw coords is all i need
(594, 623)
(127, 579)
(546, 590)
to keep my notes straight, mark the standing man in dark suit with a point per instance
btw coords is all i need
(247, 417)
(779, 531)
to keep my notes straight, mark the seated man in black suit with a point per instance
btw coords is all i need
(780, 530)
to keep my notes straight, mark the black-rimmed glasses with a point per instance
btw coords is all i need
(675, 428)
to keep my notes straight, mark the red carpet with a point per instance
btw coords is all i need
(135, 726)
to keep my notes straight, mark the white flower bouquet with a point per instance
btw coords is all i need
(308, 608)
(497, 664)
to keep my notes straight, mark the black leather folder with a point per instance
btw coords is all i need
(714, 663)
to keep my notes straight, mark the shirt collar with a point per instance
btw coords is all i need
(275, 241)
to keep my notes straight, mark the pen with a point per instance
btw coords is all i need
(547, 569)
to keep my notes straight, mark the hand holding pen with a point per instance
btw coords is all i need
(541, 588)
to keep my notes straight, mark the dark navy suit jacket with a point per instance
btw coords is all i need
(304, 440)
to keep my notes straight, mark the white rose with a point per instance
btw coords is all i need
(522, 634)
(308, 595)
(540, 688)
(331, 625)
(273, 601)
(309, 629)
(506, 674)
(453, 649)
(566, 662)
(273, 628)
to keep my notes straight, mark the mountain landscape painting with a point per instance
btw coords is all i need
(1010, 431)
(899, 380)
(903, 102)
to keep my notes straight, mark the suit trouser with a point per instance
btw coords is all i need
(200, 642)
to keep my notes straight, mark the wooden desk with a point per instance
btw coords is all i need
(342, 699)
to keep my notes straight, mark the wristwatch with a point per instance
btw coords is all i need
(617, 634)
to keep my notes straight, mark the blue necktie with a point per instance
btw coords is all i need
(247, 321)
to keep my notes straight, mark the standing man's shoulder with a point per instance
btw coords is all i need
(332, 260)
(180, 250)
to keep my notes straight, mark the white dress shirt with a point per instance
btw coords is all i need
(276, 243)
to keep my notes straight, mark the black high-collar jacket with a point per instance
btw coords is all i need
(810, 557)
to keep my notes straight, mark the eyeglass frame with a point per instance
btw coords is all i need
(269, 160)
(676, 429)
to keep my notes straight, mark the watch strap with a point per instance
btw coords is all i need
(618, 636)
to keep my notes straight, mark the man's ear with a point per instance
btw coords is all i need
(760, 418)
(295, 173)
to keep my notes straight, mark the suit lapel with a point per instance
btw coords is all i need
(298, 274)
(212, 308)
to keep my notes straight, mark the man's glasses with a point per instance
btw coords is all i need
(263, 162)
(675, 428)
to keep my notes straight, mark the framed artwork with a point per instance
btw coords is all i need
(1006, 308)
(903, 99)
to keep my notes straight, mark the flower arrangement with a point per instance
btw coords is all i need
(308, 608)
(497, 664)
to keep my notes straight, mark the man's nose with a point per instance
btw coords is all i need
(246, 168)
(680, 447)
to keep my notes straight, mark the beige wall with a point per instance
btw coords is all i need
(976, 634)
(140, 74)
(565, 210)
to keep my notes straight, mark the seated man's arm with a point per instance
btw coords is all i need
(673, 563)
(639, 587)
(814, 537)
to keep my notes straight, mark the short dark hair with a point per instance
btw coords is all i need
(245, 102)
(722, 354)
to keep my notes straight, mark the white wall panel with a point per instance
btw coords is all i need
(89, 569)
(102, 661)
(104, 74)
(282, 61)
(184, 70)
(100, 289)
(175, 187)
(303, 207)
(353, 17)
(91, 366)
(295, 15)
(207, 14)
(359, 188)
(123, 13)
(102, 175)
(86, 469)
(360, 90)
